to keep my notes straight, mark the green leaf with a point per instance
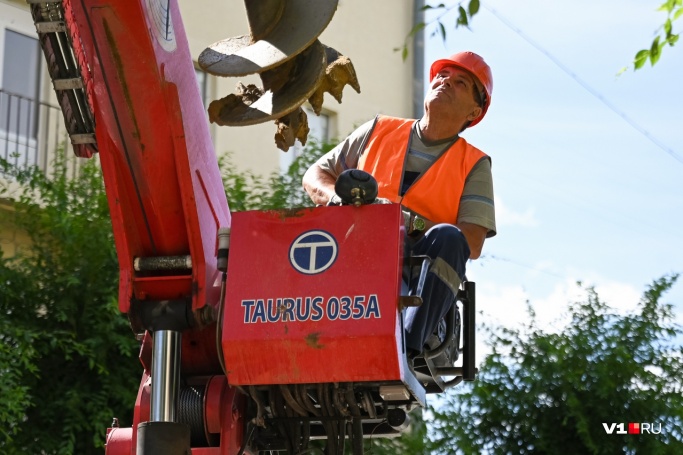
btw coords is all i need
(667, 6)
(473, 7)
(641, 58)
(442, 29)
(678, 13)
(462, 18)
(427, 7)
(655, 51)
(416, 28)
(404, 53)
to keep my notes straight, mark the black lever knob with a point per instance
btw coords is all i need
(356, 187)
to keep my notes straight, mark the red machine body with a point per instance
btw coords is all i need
(312, 296)
(311, 307)
(164, 188)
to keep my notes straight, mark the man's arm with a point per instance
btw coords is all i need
(477, 217)
(319, 184)
(320, 178)
(475, 236)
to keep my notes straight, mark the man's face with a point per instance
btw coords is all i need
(452, 93)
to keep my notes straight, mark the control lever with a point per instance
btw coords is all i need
(356, 187)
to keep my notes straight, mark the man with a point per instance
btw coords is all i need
(443, 183)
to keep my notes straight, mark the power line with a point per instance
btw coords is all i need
(520, 264)
(587, 87)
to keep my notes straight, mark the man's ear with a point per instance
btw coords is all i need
(475, 114)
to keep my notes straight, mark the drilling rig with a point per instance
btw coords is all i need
(259, 331)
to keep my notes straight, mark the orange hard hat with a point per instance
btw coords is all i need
(475, 65)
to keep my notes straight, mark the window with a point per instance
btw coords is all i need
(319, 126)
(19, 88)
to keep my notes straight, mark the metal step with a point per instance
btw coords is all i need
(50, 27)
(71, 83)
(66, 75)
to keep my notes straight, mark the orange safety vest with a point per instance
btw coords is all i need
(435, 195)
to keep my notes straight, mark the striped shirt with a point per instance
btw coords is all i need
(476, 202)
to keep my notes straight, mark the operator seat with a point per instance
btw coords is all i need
(437, 363)
(435, 367)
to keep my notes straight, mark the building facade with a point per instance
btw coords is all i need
(365, 31)
(368, 32)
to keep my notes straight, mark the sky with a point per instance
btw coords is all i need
(587, 163)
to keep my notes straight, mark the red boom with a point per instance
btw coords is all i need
(163, 184)
(304, 338)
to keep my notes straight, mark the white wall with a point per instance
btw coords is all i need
(365, 31)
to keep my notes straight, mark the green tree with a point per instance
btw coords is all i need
(249, 191)
(542, 392)
(411, 442)
(665, 35)
(68, 359)
(466, 10)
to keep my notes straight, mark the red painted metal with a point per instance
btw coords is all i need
(233, 421)
(200, 352)
(122, 441)
(215, 390)
(283, 325)
(223, 416)
(166, 199)
(163, 184)
(119, 441)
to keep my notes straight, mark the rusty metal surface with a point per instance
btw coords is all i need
(298, 26)
(291, 127)
(338, 73)
(294, 66)
(285, 89)
(263, 16)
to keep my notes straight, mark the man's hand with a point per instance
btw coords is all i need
(319, 185)
(334, 200)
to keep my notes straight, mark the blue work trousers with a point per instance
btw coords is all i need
(447, 248)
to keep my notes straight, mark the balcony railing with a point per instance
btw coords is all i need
(31, 132)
